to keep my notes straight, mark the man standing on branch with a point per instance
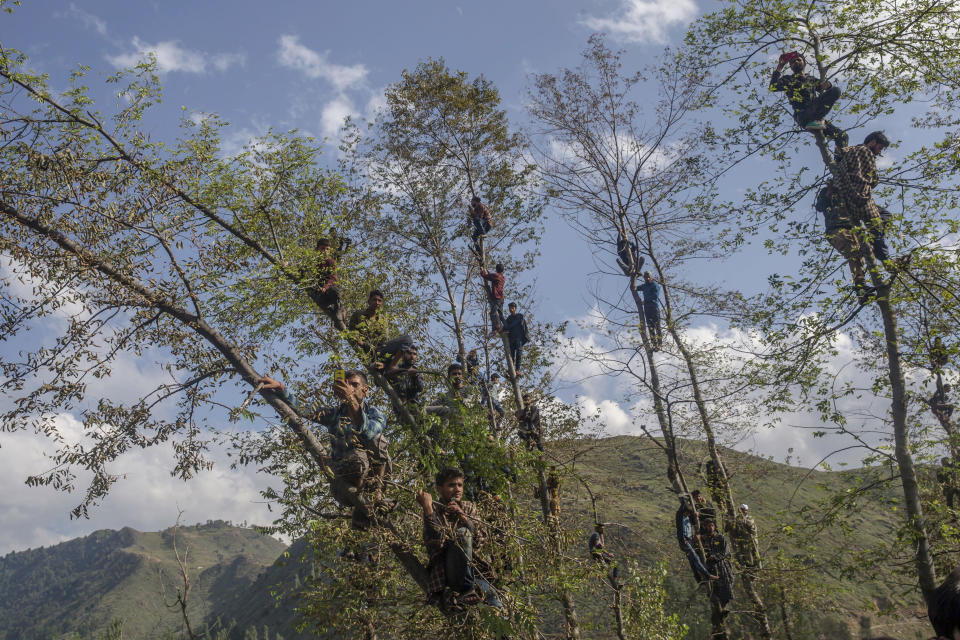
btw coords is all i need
(359, 452)
(858, 176)
(810, 98)
(495, 296)
(651, 309)
(480, 219)
(518, 335)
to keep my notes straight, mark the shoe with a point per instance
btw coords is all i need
(815, 125)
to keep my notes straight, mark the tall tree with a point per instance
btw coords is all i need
(626, 171)
(885, 55)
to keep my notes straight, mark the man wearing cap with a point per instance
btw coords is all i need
(810, 98)
(744, 534)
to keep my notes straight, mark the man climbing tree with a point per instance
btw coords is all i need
(628, 256)
(718, 563)
(857, 178)
(744, 532)
(651, 308)
(810, 98)
(325, 293)
(404, 375)
(370, 329)
(495, 296)
(841, 230)
(518, 334)
(686, 537)
(479, 216)
(359, 451)
(453, 533)
(597, 546)
(528, 420)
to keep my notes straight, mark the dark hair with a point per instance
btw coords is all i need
(494, 375)
(877, 136)
(695, 493)
(512, 304)
(454, 367)
(376, 292)
(321, 242)
(450, 473)
(499, 267)
(350, 373)
(598, 527)
(475, 199)
(944, 607)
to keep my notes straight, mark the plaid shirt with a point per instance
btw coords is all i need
(438, 530)
(858, 177)
(345, 435)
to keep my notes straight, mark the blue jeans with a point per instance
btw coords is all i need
(696, 564)
(457, 557)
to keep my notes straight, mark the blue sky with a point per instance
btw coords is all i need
(307, 65)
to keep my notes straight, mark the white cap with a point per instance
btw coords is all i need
(744, 507)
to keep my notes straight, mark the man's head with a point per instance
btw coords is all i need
(698, 497)
(513, 307)
(944, 608)
(455, 375)
(527, 399)
(356, 381)
(798, 64)
(744, 509)
(499, 267)
(411, 355)
(475, 200)
(323, 245)
(708, 526)
(876, 142)
(450, 484)
(375, 300)
(598, 527)
(495, 378)
(647, 276)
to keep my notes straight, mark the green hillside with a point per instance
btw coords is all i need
(79, 586)
(248, 581)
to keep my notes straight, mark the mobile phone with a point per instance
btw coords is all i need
(339, 376)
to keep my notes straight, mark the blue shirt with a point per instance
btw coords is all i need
(651, 293)
(345, 434)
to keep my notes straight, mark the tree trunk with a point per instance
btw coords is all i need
(926, 571)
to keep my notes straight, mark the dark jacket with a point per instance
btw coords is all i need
(800, 90)
(516, 327)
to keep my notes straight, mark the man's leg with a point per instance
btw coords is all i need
(846, 243)
(457, 556)
(652, 315)
(696, 564)
(835, 133)
(516, 352)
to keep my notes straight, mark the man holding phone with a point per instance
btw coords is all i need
(810, 97)
(359, 451)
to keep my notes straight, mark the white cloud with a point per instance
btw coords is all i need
(294, 55)
(645, 21)
(172, 57)
(85, 18)
(333, 114)
(146, 498)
